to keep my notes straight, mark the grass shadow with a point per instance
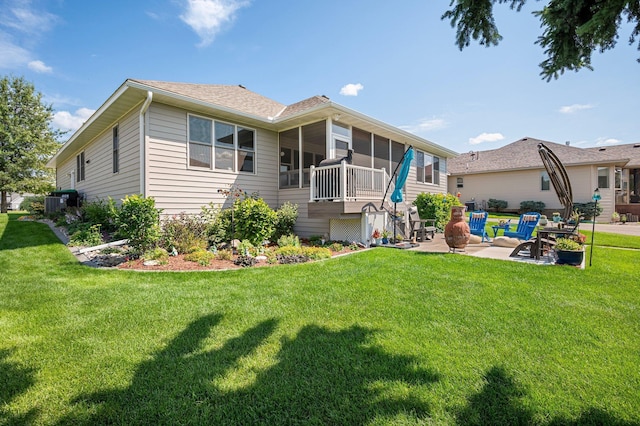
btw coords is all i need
(16, 234)
(499, 402)
(14, 380)
(321, 376)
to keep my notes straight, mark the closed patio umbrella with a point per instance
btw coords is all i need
(401, 178)
(396, 195)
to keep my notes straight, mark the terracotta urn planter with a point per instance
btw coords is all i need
(456, 232)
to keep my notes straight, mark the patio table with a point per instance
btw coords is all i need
(497, 228)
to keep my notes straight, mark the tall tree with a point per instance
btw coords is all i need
(572, 29)
(27, 140)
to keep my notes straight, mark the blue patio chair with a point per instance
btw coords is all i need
(526, 225)
(477, 222)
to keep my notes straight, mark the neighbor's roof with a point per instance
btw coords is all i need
(523, 154)
(630, 151)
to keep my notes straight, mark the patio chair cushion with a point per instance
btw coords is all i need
(506, 242)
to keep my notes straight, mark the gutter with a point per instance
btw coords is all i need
(143, 143)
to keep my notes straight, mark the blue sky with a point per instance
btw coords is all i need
(394, 61)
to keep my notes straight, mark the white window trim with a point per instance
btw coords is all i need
(236, 148)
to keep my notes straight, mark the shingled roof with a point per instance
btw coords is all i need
(233, 97)
(630, 151)
(523, 154)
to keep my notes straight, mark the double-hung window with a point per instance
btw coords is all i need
(220, 146)
(545, 182)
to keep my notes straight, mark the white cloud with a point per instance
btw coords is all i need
(23, 18)
(426, 125)
(607, 141)
(12, 56)
(570, 109)
(351, 89)
(39, 66)
(66, 121)
(486, 137)
(207, 17)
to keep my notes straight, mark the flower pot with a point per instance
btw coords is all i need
(457, 232)
(569, 257)
(385, 240)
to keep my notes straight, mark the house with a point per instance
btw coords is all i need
(515, 173)
(180, 143)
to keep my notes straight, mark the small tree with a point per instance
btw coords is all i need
(27, 140)
(139, 221)
(436, 206)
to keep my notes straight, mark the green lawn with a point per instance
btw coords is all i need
(377, 337)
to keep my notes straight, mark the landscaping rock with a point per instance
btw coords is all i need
(506, 242)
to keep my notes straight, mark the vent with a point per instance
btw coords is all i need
(636, 145)
(602, 149)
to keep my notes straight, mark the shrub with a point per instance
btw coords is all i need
(139, 221)
(436, 206)
(586, 210)
(90, 236)
(293, 258)
(201, 257)
(316, 240)
(531, 206)
(254, 220)
(289, 240)
(102, 212)
(316, 253)
(159, 254)
(245, 261)
(245, 248)
(288, 251)
(336, 247)
(34, 204)
(224, 254)
(186, 233)
(497, 205)
(286, 217)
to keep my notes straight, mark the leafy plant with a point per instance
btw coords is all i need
(567, 244)
(138, 220)
(289, 240)
(158, 253)
(101, 212)
(531, 206)
(245, 261)
(254, 220)
(245, 247)
(337, 247)
(224, 254)
(186, 233)
(316, 240)
(497, 205)
(286, 217)
(436, 206)
(34, 204)
(201, 257)
(90, 236)
(316, 253)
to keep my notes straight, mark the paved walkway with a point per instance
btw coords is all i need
(487, 250)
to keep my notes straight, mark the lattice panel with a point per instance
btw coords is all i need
(345, 230)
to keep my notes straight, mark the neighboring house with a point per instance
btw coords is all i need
(14, 199)
(180, 143)
(515, 173)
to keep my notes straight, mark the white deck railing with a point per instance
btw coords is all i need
(346, 182)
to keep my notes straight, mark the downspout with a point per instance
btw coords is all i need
(143, 144)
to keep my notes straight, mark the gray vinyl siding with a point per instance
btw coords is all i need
(177, 188)
(100, 181)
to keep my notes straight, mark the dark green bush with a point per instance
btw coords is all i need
(34, 204)
(138, 220)
(586, 209)
(497, 205)
(436, 206)
(100, 212)
(253, 220)
(531, 206)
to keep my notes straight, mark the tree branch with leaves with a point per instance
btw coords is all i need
(27, 140)
(572, 29)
